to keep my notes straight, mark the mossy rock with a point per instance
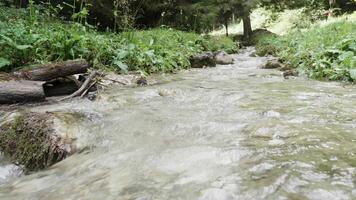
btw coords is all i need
(30, 140)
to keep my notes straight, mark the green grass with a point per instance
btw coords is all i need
(24, 42)
(325, 51)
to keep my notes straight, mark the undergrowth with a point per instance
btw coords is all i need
(24, 42)
(324, 51)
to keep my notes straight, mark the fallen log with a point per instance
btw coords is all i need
(21, 91)
(52, 71)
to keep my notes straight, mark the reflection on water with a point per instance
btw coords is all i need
(231, 132)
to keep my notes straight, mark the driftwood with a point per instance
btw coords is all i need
(21, 91)
(87, 90)
(83, 88)
(52, 71)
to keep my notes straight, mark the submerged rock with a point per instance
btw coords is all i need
(142, 81)
(205, 59)
(222, 58)
(34, 140)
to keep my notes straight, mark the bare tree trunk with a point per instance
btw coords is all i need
(247, 26)
(227, 28)
(332, 6)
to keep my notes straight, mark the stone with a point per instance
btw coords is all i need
(288, 73)
(272, 64)
(36, 141)
(205, 59)
(142, 81)
(222, 58)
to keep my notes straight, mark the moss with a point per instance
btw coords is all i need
(5, 77)
(29, 142)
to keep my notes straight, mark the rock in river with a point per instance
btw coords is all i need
(273, 64)
(223, 58)
(205, 59)
(34, 140)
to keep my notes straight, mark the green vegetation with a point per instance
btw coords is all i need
(41, 39)
(324, 51)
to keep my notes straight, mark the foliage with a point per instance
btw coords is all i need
(322, 52)
(156, 50)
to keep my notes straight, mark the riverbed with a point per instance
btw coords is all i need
(231, 132)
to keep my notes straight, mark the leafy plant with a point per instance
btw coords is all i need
(322, 52)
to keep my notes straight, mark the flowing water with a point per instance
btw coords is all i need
(224, 133)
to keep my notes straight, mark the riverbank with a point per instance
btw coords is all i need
(47, 39)
(324, 51)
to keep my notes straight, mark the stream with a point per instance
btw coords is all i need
(230, 132)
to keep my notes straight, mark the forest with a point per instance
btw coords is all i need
(177, 99)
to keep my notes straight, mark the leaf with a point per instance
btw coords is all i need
(22, 47)
(7, 39)
(131, 46)
(121, 55)
(4, 62)
(123, 67)
(353, 74)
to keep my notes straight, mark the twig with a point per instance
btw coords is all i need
(116, 81)
(86, 91)
(82, 88)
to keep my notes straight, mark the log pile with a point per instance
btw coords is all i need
(41, 81)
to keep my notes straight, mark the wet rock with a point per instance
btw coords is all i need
(285, 67)
(142, 81)
(272, 64)
(253, 54)
(34, 140)
(92, 96)
(206, 59)
(288, 73)
(222, 58)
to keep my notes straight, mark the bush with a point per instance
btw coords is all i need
(157, 50)
(322, 52)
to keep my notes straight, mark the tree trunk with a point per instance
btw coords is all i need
(247, 26)
(332, 6)
(52, 71)
(227, 28)
(21, 91)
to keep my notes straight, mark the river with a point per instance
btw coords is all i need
(224, 133)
